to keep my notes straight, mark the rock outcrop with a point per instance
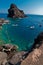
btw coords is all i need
(38, 41)
(9, 55)
(36, 56)
(14, 12)
(3, 21)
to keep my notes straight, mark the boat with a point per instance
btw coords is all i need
(32, 27)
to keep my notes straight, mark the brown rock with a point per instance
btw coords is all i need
(17, 58)
(14, 12)
(35, 57)
(3, 58)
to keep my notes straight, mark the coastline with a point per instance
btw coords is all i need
(35, 57)
(12, 56)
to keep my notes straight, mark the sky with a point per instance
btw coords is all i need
(28, 6)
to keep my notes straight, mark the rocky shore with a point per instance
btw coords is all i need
(15, 12)
(9, 55)
(35, 57)
(3, 21)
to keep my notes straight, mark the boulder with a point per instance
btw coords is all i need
(18, 58)
(15, 12)
(9, 49)
(3, 58)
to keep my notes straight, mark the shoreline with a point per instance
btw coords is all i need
(22, 57)
(35, 57)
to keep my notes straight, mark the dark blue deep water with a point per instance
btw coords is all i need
(19, 31)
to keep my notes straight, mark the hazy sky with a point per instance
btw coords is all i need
(29, 6)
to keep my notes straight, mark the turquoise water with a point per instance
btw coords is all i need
(18, 31)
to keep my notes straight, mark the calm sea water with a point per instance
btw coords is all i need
(19, 31)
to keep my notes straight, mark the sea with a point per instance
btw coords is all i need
(21, 32)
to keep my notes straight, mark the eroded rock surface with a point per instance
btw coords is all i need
(9, 55)
(15, 12)
(36, 56)
(3, 58)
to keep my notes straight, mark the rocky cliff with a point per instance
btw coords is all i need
(36, 56)
(15, 12)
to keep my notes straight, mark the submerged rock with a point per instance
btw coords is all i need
(15, 12)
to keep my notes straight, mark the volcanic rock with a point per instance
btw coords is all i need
(15, 12)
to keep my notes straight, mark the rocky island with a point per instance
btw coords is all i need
(15, 12)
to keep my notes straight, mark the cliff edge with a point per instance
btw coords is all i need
(36, 56)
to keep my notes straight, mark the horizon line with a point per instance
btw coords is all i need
(26, 14)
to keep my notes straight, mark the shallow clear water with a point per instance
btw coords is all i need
(18, 31)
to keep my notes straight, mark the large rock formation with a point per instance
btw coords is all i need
(9, 55)
(14, 12)
(36, 56)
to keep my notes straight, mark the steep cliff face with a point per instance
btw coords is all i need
(36, 56)
(14, 12)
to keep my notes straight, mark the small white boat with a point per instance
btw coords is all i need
(32, 27)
